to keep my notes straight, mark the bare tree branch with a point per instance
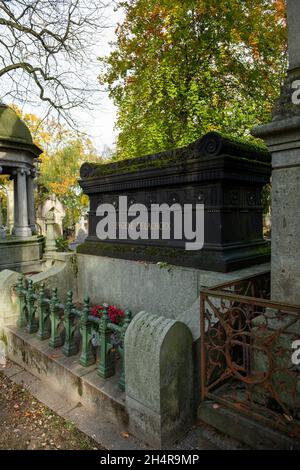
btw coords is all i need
(45, 51)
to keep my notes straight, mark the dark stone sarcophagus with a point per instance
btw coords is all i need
(223, 176)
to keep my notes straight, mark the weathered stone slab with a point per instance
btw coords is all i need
(168, 291)
(243, 428)
(65, 375)
(21, 254)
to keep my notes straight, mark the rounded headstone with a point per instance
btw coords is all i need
(158, 378)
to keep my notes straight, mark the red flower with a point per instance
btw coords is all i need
(115, 315)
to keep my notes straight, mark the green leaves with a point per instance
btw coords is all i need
(180, 69)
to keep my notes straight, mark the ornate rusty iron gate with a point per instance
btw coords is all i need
(247, 352)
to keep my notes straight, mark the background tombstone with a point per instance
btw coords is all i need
(59, 214)
(50, 246)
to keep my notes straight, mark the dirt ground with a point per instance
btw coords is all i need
(25, 423)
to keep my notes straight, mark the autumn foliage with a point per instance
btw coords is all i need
(181, 68)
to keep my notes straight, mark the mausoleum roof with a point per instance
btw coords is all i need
(14, 133)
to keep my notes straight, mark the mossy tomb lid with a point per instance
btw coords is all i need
(212, 144)
(14, 133)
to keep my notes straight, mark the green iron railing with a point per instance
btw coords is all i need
(64, 324)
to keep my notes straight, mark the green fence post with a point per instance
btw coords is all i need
(20, 290)
(127, 320)
(55, 338)
(69, 347)
(42, 313)
(87, 357)
(106, 366)
(32, 324)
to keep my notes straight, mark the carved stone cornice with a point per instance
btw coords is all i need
(223, 167)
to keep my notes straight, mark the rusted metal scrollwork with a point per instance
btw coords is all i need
(246, 352)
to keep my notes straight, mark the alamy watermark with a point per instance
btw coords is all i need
(296, 93)
(138, 222)
(296, 354)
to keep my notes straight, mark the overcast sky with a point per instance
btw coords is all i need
(99, 124)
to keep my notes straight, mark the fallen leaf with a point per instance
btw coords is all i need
(125, 434)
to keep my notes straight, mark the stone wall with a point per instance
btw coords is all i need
(169, 291)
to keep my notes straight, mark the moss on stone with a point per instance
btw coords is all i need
(14, 133)
(139, 252)
(240, 148)
(254, 145)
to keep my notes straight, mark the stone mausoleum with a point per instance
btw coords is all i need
(223, 174)
(21, 249)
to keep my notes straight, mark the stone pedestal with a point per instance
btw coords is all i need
(170, 291)
(283, 139)
(21, 254)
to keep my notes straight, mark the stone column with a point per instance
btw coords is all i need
(2, 231)
(16, 210)
(1, 217)
(22, 229)
(30, 200)
(283, 139)
(10, 206)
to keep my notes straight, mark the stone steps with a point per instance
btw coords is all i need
(244, 429)
(80, 385)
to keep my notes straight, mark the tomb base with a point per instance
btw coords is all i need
(21, 254)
